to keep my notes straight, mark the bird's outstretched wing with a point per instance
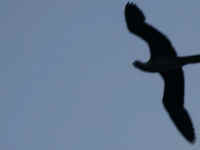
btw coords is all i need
(173, 101)
(159, 45)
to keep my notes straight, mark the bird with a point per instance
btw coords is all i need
(164, 61)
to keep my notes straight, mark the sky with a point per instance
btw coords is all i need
(67, 82)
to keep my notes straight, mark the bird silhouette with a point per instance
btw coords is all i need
(164, 60)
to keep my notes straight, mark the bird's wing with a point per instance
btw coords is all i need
(173, 101)
(158, 43)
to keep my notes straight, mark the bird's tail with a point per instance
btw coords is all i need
(189, 59)
(134, 16)
(183, 123)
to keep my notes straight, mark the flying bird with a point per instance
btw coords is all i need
(164, 60)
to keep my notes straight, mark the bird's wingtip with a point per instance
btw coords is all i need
(192, 139)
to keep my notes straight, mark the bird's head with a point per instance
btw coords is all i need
(142, 66)
(138, 64)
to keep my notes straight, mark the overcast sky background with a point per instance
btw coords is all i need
(67, 83)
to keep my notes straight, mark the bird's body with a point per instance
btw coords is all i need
(164, 60)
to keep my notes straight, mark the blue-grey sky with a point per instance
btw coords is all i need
(67, 82)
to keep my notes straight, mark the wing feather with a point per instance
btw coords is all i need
(173, 101)
(159, 44)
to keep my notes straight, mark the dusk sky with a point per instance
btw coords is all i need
(67, 82)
